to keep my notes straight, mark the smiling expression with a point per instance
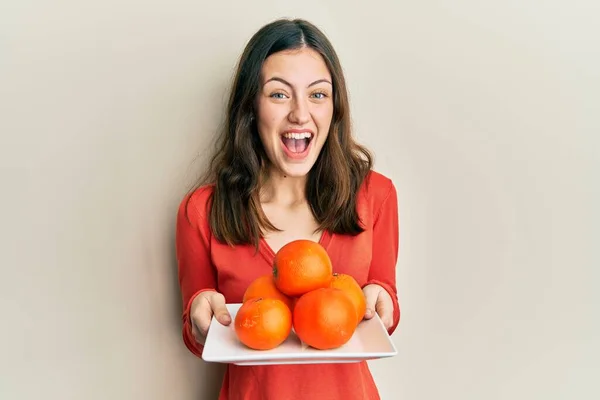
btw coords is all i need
(294, 109)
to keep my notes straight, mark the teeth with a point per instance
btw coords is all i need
(297, 136)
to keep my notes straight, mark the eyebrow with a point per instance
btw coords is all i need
(278, 79)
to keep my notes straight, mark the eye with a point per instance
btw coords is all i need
(278, 95)
(319, 95)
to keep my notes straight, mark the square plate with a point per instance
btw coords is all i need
(370, 341)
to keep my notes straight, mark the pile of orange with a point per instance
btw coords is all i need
(323, 308)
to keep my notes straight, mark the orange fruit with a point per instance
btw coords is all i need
(264, 286)
(350, 286)
(324, 318)
(301, 266)
(263, 324)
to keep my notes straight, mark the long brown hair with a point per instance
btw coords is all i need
(239, 164)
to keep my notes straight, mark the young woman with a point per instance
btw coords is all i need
(287, 168)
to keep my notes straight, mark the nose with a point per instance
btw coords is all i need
(299, 114)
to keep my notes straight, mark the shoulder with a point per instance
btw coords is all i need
(378, 191)
(377, 187)
(195, 205)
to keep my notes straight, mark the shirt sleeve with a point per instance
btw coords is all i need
(385, 250)
(195, 270)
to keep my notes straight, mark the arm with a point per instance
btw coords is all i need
(196, 273)
(385, 250)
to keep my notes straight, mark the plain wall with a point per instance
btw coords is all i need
(485, 115)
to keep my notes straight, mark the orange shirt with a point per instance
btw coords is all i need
(370, 257)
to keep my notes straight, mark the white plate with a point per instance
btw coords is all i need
(370, 341)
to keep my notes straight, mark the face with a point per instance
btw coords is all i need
(294, 109)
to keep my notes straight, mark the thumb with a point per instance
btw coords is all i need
(217, 304)
(370, 293)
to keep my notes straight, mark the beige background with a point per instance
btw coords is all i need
(485, 114)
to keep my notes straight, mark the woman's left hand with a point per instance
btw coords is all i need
(379, 301)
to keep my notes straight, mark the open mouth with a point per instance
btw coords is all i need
(296, 143)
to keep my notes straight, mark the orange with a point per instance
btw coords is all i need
(263, 324)
(348, 284)
(264, 286)
(324, 318)
(301, 266)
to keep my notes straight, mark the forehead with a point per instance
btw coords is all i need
(299, 66)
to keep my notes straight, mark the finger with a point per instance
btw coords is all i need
(217, 303)
(202, 317)
(371, 301)
(200, 339)
(195, 331)
(385, 308)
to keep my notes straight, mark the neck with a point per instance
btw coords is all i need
(282, 189)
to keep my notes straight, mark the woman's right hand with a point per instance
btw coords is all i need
(204, 306)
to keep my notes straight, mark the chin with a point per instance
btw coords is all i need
(296, 170)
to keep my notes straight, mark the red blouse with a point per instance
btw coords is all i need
(370, 257)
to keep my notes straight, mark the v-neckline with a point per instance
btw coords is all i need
(269, 255)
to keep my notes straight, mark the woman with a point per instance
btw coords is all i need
(287, 168)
